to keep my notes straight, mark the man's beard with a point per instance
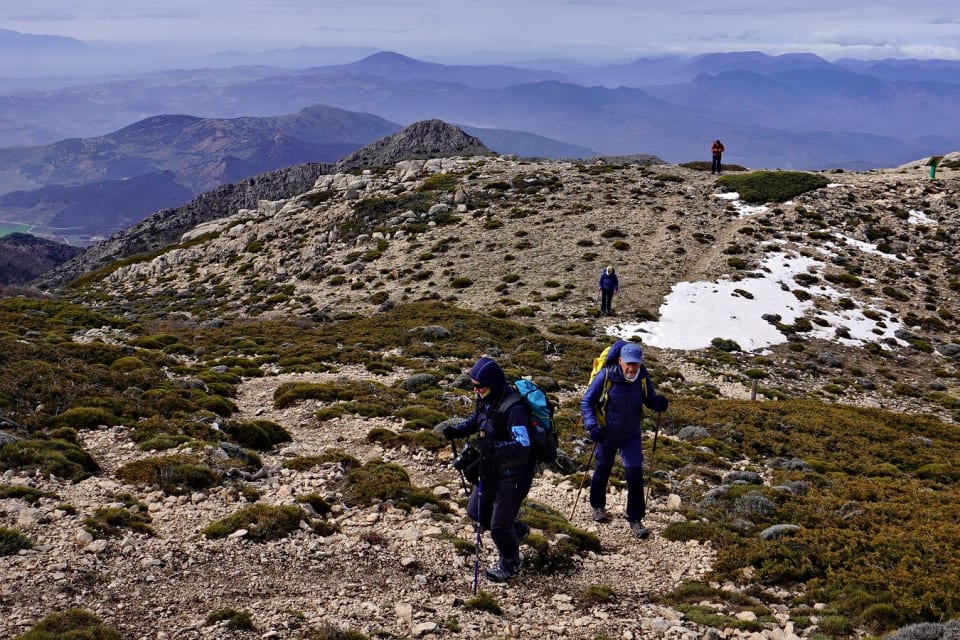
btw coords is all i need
(632, 378)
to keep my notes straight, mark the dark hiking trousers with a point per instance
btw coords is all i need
(632, 448)
(606, 300)
(498, 513)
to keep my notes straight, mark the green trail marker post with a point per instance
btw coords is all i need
(932, 163)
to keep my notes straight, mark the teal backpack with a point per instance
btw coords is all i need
(543, 433)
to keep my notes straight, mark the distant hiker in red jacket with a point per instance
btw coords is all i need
(716, 150)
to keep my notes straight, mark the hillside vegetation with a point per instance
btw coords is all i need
(249, 419)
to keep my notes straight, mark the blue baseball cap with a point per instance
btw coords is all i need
(631, 354)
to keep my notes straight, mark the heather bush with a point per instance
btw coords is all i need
(262, 522)
(759, 187)
(12, 541)
(70, 624)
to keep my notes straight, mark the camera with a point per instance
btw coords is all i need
(467, 462)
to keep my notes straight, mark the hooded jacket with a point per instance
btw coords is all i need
(502, 418)
(609, 281)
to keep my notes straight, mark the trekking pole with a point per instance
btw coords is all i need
(479, 541)
(583, 480)
(647, 490)
(656, 434)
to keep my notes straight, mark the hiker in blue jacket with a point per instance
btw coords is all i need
(507, 463)
(612, 411)
(609, 286)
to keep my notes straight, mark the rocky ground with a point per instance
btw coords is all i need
(386, 571)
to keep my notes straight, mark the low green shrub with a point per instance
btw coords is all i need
(422, 439)
(377, 481)
(484, 601)
(52, 457)
(330, 456)
(174, 474)
(12, 541)
(759, 187)
(261, 435)
(551, 521)
(263, 522)
(27, 494)
(71, 624)
(109, 522)
(420, 417)
(237, 620)
(84, 418)
(594, 595)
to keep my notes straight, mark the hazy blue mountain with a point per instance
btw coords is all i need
(830, 100)
(192, 147)
(758, 62)
(526, 144)
(292, 58)
(754, 101)
(17, 43)
(26, 55)
(905, 70)
(669, 70)
(82, 213)
(400, 68)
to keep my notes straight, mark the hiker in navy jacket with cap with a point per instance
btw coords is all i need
(612, 411)
(507, 463)
(609, 286)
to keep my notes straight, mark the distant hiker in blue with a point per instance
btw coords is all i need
(507, 464)
(612, 411)
(716, 152)
(609, 286)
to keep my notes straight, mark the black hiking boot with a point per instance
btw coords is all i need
(501, 573)
(639, 530)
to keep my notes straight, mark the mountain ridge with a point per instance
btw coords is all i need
(425, 139)
(428, 90)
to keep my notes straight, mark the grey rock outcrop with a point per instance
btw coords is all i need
(425, 139)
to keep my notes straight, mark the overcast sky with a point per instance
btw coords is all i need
(524, 29)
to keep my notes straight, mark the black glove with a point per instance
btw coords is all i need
(660, 403)
(450, 432)
(597, 434)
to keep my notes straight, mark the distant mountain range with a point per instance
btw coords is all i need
(81, 190)
(789, 111)
(88, 159)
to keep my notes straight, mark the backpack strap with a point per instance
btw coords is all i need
(643, 376)
(604, 396)
(499, 412)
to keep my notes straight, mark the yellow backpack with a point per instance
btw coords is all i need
(608, 356)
